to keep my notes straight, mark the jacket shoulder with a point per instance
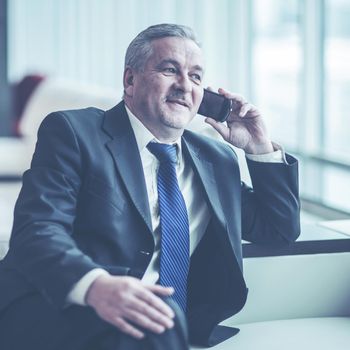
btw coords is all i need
(87, 121)
(76, 116)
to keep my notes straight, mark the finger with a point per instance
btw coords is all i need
(254, 111)
(153, 314)
(250, 109)
(238, 102)
(153, 300)
(244, 110)
(127, 328)
(144, 321)
(231, 95)
(161, 290)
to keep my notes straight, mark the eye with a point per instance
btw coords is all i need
(169, 70)
(196, 77)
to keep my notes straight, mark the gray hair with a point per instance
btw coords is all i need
(140, 48)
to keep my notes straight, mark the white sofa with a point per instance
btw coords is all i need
(294, 302)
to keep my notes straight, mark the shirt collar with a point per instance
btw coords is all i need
(144, 136)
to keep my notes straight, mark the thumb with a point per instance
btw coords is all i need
(221, 128)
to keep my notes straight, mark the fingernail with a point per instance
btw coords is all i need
(171, 290)
(161, 329)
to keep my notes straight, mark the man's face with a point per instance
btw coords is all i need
(166, 95)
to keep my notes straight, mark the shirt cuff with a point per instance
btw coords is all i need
(278, 156)
(78, 292)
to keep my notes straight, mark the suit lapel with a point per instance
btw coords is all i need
(123, 149)
(205, 170)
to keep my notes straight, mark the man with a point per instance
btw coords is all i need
(127, 224)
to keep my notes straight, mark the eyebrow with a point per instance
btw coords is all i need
(177, 64)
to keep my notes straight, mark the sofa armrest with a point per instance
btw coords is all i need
(298, 286)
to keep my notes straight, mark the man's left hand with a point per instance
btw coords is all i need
(245, 128)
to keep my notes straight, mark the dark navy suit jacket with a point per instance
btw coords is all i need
(84, 205)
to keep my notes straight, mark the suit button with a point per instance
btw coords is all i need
(143, 252)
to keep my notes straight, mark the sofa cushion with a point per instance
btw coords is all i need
(297, 286)
(295, 334)
(8, 195)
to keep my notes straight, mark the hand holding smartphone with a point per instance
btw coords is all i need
(215, 106)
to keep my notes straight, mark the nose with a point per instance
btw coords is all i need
(184, 83)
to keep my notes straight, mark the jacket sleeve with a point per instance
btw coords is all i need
(42, 248)
(271, 209)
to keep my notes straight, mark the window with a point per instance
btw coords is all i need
(277, 66)
(337, 79)
(301, 82)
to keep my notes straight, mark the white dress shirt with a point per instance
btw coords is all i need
(197, 208)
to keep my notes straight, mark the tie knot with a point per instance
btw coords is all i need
(163, 152)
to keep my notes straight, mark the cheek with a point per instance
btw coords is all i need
(163, 84)
(197, 96)
(155, 90)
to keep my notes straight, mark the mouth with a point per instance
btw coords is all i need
(178, 102)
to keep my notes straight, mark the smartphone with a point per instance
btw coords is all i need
(215, 106)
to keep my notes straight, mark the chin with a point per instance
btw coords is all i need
(177, 121)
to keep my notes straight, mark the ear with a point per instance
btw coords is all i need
(128, 81)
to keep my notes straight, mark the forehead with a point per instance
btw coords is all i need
(184, 51)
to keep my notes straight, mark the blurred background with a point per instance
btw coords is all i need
(291, 58)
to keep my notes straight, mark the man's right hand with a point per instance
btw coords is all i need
(126, 302)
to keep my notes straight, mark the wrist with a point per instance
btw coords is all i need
(93, 293)
(262, 148)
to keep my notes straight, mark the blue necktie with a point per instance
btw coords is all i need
(174, 227)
